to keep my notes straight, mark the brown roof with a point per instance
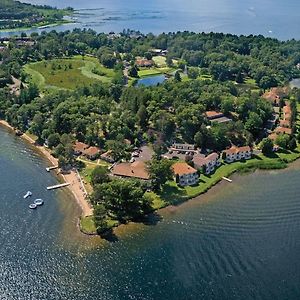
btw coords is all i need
(283, 130)
(285, 123)
(92, 151)
(182, 168)
(200, 161)
(213, 114)
(287, 109)
(275, 94)
(136, 170)
(235, 149)
(80, 147)
(272, 136)
(144, 62)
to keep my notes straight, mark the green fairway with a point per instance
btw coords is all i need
(68, 73)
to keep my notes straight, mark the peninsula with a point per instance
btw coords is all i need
(17, 15)
(224, 105)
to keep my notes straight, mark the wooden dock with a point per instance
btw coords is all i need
(51, 168)
(227, 179)
(54, 187)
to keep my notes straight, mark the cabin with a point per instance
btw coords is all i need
(144, 63)
(137, 169)
(182, 147)
(210, 162)
(283, 130)
(79, 147)
(216, 117)
(237, 153)
(91, 153)
(107, 156)
(185, 175)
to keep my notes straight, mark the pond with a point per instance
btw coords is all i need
(151, 80)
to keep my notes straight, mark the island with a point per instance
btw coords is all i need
(15, 15)
(128, 149)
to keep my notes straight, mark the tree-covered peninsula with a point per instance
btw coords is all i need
(16, 15)
(225, 105)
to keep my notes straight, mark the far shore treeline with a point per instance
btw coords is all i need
(212, 72)
(15, 14)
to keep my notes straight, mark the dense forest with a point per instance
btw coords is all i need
(106, 114)
(15, 14)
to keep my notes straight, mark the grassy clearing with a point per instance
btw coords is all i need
(68, 73)
(160, 61)
(87, 225)
(155, 71)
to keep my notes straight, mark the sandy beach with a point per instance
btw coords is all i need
(76, 186)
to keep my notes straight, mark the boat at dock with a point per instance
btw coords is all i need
(32, 206)
(28, 194)
(48, 169)
(38, 202)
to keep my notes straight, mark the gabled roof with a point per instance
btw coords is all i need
(92, 151)
(235, 150)
(135, 170)
(80, 147)
(182, 168)
(283, 130)
(211, 114)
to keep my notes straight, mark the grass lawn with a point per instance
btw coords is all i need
(159, 61)
(155, 71)
(87, 225)
(68, 73)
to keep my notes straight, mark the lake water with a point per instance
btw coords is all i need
(275, 18)
(240, 241)
(151, 80)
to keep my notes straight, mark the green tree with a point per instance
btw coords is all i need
(160, 172)
(99, 175)
(177, 76)
(100, 219)
(266, 146)
(282, 141)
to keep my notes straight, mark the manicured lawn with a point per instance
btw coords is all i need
(68, 73)
(155, 71)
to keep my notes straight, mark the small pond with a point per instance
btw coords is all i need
(151, 80)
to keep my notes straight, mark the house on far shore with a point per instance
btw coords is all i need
(237, 153)
(185, 174)
(210, 162)
(79, 147)
(137, 169)
(216, 117)
(91, 153)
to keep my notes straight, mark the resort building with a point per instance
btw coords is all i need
(137, 169)
(275, 95)
(210, 162)
(79, 147)
(216, 117)
(283, 130)
(237, 153)
(144, 63)
(91, 153)
(182, 147)
(184, 174)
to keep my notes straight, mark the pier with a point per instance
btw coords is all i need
(53, 187)
(227, 179)
(51, 168)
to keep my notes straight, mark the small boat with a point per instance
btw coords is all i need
(32, 206)
(38, 202)
(28, 194)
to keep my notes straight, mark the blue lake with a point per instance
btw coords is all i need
(274, 18)
(239, 241)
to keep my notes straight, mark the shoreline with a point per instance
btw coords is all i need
(72, 177)
(75, 186)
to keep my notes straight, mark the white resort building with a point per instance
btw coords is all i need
(237, 153)
(185, 174)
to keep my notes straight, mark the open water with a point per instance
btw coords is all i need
(274, 18)
(240, 241)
